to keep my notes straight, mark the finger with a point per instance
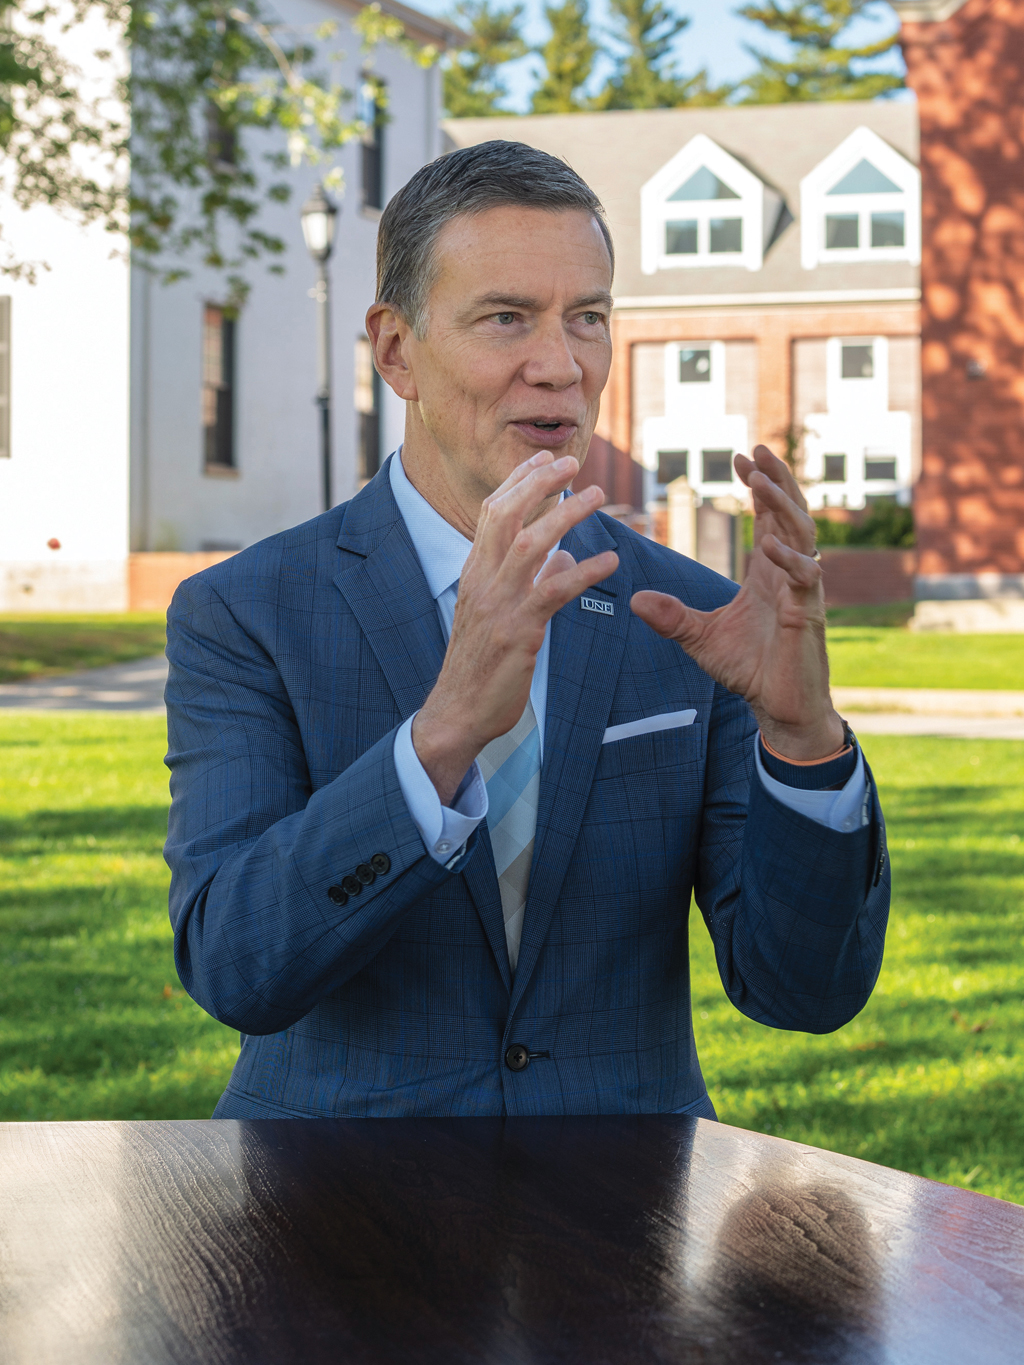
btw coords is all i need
(670, 617)
(504, 513)
(803, 573)
(554, 590)
(537, 461)
(780, 473)
(533, 543)
(556, 563)
(790, 520)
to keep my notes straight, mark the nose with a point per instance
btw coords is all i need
(551, 363)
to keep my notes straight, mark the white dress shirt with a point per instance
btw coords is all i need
(442, 552)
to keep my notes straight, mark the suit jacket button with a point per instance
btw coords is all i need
(351, 885)
(337, 895)
(366, 874)
(381, 863)
(517, 1058)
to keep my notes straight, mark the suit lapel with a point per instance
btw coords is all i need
(586, 654)
(389, 597)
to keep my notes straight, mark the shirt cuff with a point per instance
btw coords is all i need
(444, 830)
(844, 810)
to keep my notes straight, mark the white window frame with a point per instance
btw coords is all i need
(757, 207)
(816, 203)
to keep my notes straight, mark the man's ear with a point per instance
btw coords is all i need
(390, 336)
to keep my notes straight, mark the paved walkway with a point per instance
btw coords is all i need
(137, 686)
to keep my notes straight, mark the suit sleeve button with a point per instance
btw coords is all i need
(366, 874)
(351, 885)
(381, 863)
(517, 1058)
(337, 895)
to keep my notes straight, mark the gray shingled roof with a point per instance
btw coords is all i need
(617, 152)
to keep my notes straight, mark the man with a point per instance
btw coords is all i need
(448, 760)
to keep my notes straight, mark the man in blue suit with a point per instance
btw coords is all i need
(449, 760)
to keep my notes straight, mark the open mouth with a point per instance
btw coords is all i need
(547, 432)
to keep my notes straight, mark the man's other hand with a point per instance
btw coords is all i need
(508, 592)
(768, 644)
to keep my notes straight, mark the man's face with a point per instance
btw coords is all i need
(517, 346)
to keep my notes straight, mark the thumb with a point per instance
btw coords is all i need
(669, 617)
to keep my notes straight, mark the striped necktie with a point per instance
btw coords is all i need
(510, 766)
(511, 769)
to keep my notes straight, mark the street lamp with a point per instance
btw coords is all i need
(318, 216)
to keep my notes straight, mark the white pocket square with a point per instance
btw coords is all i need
(668, 720)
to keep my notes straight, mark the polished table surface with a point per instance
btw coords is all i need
(595, 1241)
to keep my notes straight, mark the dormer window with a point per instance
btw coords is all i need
(862, 203)
(705, 208)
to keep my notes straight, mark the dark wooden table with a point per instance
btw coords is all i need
(526, 1241)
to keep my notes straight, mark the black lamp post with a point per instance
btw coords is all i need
(318, 216)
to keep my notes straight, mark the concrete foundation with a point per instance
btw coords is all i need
(996, 616)
(35, 586)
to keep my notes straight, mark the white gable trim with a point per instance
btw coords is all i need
(815, 202)
(757, 207)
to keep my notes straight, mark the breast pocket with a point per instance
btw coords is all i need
(651, 756)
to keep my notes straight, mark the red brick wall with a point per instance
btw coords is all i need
(855, 578)
(968, 75)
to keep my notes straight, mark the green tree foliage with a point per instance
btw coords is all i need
(473, 87)
(568, 59)
(819, 67)
(886, 525)
(646, 76)
(178, 176)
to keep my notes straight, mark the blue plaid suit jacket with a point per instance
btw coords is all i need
(291, 667)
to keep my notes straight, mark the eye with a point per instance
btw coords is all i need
(506, 319)
(592, 319)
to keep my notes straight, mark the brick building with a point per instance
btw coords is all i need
(965, 63)
(766, 289)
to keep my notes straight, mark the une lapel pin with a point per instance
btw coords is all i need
(595, 604)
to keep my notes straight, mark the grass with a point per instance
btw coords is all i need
(866, 656)
(41, 646)
(93, 1021)
(893, 614)
(929, 1078)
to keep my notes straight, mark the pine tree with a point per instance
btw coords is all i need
(568, 59)
(819, 68)
(472, 85)
(646, 77)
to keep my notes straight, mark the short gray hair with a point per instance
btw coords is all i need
(467, 181)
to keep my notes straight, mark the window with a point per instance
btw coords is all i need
(862, 203)
(880, 467)
(857, 360)
(717, 466)
(695, 367)
(835, 469)
(5, 377)
(705, 208)
(221, 139)
(672, 465)
(218, 388)
(372, 112)
(367, 404)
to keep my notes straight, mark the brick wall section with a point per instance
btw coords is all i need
(968, 75)
(856, 578)
(154, 575)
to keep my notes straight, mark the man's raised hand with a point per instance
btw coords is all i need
(768, 644)
(508, 592)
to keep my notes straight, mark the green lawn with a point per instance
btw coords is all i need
(41, 646)
(873, 656)
(930, 1078)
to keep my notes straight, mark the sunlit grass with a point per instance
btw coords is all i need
(42, 646)
(874, 656)
(929, 1078)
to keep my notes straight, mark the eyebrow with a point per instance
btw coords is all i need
(524, 302)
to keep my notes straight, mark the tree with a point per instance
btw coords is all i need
(472, 85)
(568, 59)
(156, 150)
(819, 68)
(645, 75)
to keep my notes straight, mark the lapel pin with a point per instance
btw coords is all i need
(595, 604)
